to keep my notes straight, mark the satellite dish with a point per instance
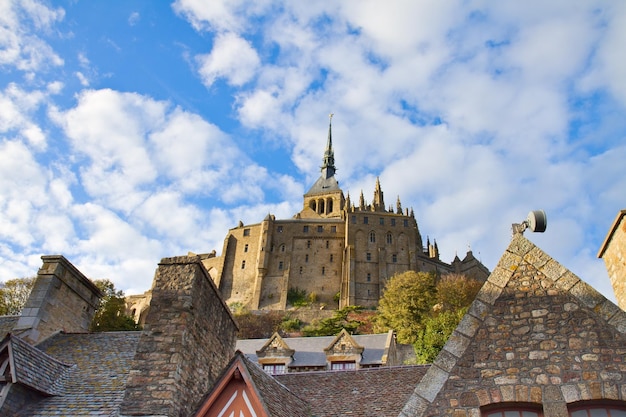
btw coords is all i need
(537, 221)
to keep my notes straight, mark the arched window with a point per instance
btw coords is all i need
(598, 409)
(321, 207)
(372, 237)
(312, 205)
(329, 205)
(389, 238)
(513, 410)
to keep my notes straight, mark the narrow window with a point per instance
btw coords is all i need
(308, 244)
(369, 277)
(372, 237)
(394, 258)
(300, 270)
(305, 229)
(280, 229)
(246, 232)
(243, 264)
(365, 220)
(320, 229)
(353, 219)
(406, 223)
(323, 270)
(245, 248)
(280, 265)
(389, 238)
(282, 248)
(331, 257)
(381, 221)
(327, 244)
(393, 222)
(368, 256)
(306, 258)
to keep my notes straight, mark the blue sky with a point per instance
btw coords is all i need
(136, 130)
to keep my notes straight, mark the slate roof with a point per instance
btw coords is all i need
(34, 368)
(374, 392)
(324, 185)
(96, 382)
(309, 351)
(278, 400)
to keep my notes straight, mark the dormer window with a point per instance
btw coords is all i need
(343, 366)
(274, 368)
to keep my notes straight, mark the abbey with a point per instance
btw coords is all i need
(339, 252)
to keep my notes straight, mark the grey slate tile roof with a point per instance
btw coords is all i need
(324, 185)
(374, 392)
(278, 400)
(95, 384)
(310, 350)
(35, 369)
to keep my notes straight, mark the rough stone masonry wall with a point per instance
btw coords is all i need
(551, 341)
(188, 340)
(62, 298)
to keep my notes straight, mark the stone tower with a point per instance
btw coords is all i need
(613, 251)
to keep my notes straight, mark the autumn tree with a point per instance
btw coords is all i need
(14, 294)
(408, 298)
(111, 315)
(456, 291)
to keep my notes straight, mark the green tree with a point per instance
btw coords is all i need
(331, 326)
(14, 294)
(435, 333)
(408, 298)
(111, 315)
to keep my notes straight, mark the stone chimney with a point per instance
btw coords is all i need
(188, 339)
(62, 298)
(613, 251)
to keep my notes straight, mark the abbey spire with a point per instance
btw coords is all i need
(325, 199)
(328, 167)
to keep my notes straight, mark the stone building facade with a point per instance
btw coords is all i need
(613, 251)
(340, 251)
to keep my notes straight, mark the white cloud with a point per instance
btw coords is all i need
(134, 18)
(19, 47)
(232, 58)
(82, 79)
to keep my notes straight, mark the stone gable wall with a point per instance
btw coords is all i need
(188, 339)
(62, 298)
(535, 334)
